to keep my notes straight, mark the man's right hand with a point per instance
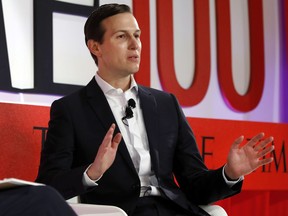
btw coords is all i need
(106, 154)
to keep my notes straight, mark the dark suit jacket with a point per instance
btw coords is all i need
(77, 126)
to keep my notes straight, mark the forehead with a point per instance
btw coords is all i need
(120, 22)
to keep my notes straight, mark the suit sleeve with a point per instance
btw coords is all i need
(56, 165)
(201, 185)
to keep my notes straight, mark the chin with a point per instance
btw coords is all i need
(134, 70)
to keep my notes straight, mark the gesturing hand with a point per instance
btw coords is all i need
(243, 160)
(106, 154)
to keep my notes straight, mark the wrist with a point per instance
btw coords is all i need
(229, 175)
(92, 174)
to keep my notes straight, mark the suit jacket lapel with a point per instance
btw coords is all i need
(100, 105)
(149, 107)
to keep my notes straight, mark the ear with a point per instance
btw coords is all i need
(94, 47)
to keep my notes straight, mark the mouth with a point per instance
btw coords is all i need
(134, 58)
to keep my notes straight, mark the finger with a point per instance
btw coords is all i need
(265, 161)
(109, 135)
(265, 151)
(237, 142)
(116, 140)
(263, 143)
(255, 139)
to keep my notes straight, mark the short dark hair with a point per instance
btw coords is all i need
(93, 28)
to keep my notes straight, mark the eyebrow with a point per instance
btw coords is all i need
(125, 31)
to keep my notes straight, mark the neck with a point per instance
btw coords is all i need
(120, 82)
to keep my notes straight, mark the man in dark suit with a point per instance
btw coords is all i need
(147, 140)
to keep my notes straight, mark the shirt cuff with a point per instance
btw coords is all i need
(87, 181)
(231, 183)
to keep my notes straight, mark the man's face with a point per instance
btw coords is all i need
(119, 54)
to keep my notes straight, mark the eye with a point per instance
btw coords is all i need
(121, 36)
(137, 36)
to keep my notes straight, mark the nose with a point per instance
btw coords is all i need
(135, 43)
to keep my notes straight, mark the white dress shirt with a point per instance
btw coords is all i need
(133, 132)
